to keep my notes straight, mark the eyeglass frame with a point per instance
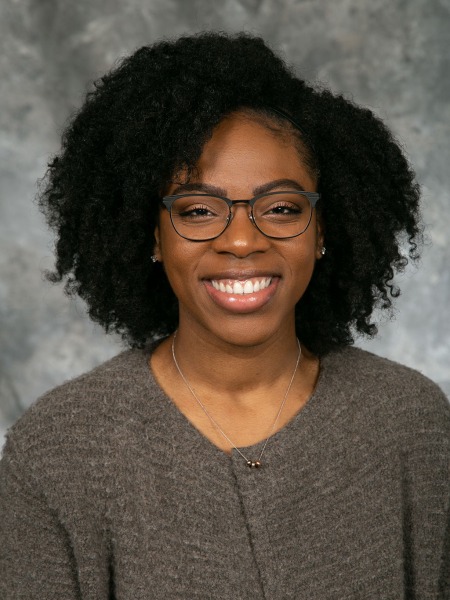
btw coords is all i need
(168, 201)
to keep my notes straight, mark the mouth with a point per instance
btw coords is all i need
(246, 286)
(242, 295)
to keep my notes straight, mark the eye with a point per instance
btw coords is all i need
(191, 212)
(284, 208)
(199, 208)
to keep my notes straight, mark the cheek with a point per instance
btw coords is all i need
(164, 232)
(303, 261)
(179, 259)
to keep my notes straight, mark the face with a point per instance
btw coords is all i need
(241, 157)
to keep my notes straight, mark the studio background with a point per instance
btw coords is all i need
(391, 55)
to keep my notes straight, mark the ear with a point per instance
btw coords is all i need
(157, 245)
(320, 237)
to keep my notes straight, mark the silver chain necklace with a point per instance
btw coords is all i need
(253, 464)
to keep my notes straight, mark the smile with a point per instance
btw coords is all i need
(244, 295)
(234, 286)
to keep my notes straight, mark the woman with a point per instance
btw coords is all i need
(207, 197)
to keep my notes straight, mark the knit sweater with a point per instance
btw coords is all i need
(109, 492)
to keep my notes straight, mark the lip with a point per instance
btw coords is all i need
(239, 274)
(242, 303)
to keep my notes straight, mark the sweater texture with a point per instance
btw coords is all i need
(109, 492)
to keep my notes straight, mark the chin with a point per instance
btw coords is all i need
(246, 333)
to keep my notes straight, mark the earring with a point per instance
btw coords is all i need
(154, 258)
(323, 250)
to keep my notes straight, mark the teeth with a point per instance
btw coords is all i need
(250, 286)
(237, 288)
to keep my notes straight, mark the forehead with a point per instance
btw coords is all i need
(250, 148)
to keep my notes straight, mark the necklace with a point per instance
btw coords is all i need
(253, 464)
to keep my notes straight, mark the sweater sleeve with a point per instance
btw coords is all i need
(426, 498)
(426, 525)
(36, 560)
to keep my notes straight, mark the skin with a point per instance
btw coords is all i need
(239, 358)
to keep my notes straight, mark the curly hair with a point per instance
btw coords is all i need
(152, 115)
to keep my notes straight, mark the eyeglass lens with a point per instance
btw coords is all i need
(278, 215)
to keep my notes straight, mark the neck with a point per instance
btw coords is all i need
(235, 372)
(242, 388)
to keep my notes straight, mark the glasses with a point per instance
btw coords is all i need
(279, 215)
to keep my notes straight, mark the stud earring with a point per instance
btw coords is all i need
(323, 250)
(154, 258)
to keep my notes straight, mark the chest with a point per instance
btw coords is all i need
(240, 533)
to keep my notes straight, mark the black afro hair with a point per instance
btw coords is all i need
(152, 115)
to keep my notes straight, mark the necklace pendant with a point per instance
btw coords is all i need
(253, 464)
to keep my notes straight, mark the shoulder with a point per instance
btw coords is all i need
(368, 372)
(85, 411)
(78, 440)
(387, 395)
(104, 381)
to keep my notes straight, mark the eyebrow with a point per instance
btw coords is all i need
(218, 191)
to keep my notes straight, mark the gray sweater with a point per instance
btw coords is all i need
(108, 492)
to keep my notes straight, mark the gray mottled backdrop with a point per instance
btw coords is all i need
(392, 55)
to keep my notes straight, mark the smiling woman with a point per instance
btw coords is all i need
(238, 227)
(242, 159)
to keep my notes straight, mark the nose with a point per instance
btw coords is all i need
(241, 237)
